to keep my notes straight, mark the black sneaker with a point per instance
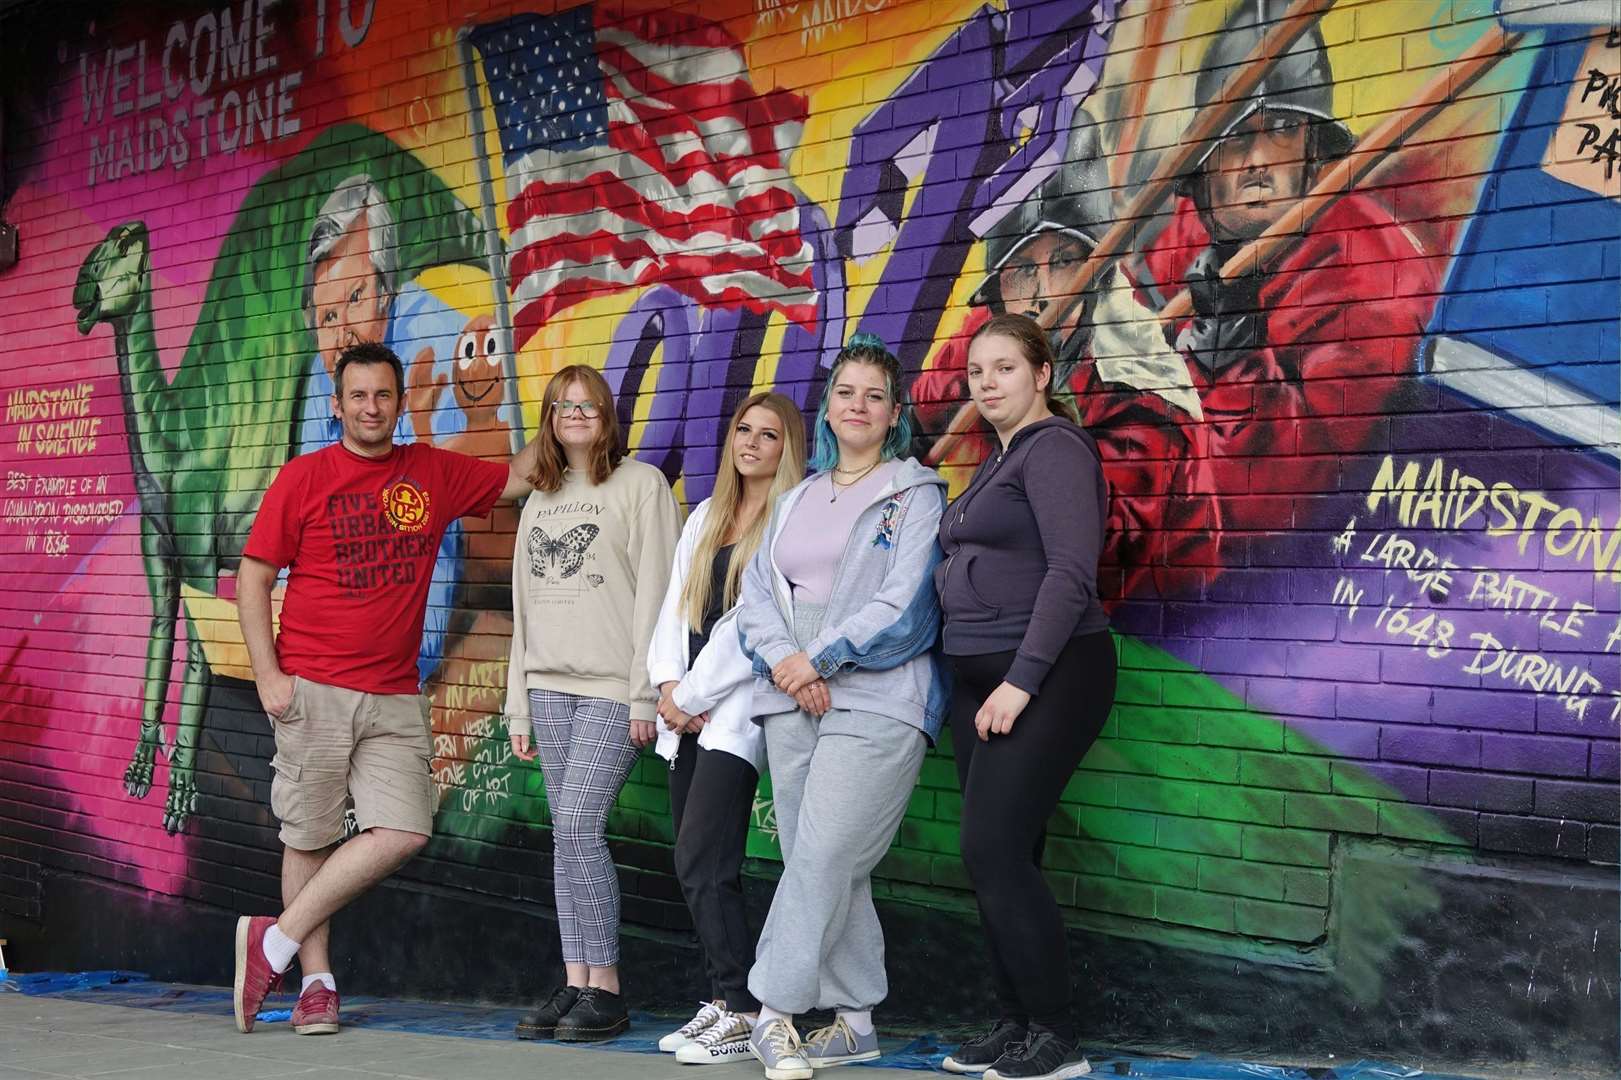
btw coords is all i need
(597, 1015)
(542, 1023)
(1043, 1055)
(980, 1053)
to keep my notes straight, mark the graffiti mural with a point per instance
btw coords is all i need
(1334, 286)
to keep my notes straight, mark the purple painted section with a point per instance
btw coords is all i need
(1464, 688)
(1429, 746)
(1540, 754)
(708, 362)
(1503, 670)
(958, 111)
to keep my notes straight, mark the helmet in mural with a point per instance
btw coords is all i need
(1301, 83)
(1074, 200)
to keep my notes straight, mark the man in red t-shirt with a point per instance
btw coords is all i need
(358, 523)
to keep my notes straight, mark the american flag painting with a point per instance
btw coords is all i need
(637, 152)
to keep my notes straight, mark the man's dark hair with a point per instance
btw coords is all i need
(368, 352)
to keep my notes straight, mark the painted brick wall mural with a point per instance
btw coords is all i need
(1365, 537)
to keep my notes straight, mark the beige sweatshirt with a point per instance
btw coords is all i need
(589, 571)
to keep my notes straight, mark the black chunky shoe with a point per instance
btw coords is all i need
(980, 1053)
(1043, 1055)
(597, 1015)
(542, 1023)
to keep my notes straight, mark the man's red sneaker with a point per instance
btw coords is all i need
(317, 1011)
(254, 976)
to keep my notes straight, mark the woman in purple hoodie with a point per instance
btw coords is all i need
(1030, 647)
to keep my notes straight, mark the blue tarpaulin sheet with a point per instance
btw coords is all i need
(133, 990)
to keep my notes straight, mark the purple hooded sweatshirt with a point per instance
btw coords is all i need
(1021, 551)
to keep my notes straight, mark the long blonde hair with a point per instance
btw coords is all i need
(727, 501)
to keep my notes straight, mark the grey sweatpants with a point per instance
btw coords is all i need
(840, 785)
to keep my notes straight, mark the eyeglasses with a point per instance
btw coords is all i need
(587, 409)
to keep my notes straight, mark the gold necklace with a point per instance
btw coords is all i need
(833, 481)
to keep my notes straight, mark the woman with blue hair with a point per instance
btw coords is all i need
(839, 615)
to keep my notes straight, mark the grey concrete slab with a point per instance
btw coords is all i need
(44, 1038)
(58, 1051)
(210, 1068)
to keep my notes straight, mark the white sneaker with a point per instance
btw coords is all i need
(775, 1044)
(727, 1039)
(686, 1033)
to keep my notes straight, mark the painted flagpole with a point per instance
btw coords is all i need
(492, 241)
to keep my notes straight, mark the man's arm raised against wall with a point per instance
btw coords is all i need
(520, 469)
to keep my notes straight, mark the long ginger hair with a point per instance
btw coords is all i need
(606, 452)
(727, 501)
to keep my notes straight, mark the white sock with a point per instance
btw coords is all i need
(768, 1014)
(279, 948)
(860, 1020)
(319, 977)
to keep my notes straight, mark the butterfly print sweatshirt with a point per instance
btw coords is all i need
(589, 570)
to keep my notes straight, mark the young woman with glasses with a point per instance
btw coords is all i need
(589, 571)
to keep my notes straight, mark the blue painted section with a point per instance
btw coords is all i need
(924, 1054)
(1536, 279)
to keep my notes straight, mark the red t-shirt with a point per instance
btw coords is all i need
(360, 536)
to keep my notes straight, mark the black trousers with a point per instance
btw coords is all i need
(711, 799)
(1011, 786)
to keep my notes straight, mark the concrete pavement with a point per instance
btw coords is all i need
(50, 1037)
(109, 1026)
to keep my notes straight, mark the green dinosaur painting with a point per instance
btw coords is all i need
(205, 444)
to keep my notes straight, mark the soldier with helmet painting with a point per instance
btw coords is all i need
(1129, 389)
(1328, 333)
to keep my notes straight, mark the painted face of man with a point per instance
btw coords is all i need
(1041, 280)
(1036, 278)
(350, 303)
(1256, 173)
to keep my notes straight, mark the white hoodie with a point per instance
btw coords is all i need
(719, 680)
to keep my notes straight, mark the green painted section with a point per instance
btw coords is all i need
(1201, 816)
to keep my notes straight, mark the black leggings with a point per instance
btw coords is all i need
(1011, 786)
(711, 799)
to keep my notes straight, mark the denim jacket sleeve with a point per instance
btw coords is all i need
(902, 620)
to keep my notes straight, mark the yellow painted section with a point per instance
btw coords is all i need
(220, 632)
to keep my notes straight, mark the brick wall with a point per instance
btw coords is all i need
(1362, 570)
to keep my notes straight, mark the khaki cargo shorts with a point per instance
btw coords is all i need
(333, 743)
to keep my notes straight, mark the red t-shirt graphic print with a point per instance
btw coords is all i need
(360, 536)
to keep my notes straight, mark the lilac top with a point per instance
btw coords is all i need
(812, 541)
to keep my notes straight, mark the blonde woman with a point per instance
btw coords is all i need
(592, 561)
(708, 733)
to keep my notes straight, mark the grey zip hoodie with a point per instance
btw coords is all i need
(882, 618)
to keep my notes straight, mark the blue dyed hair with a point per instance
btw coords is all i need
(863, 348)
